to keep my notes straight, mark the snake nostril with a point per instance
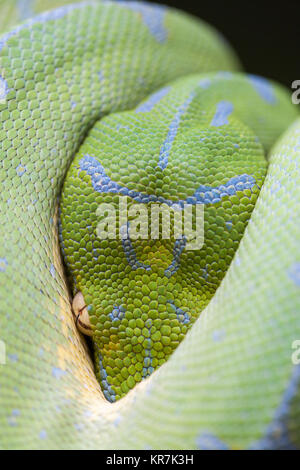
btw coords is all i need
(82, 316)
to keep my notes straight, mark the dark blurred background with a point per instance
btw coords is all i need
(265, 35)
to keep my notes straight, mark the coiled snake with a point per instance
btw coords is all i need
(175, 122)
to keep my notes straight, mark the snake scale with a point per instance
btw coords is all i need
(192, 349)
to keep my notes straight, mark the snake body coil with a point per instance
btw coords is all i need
(136, 92)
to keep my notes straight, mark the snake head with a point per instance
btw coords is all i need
(188, 146)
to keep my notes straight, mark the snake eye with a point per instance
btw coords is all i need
(80, 310)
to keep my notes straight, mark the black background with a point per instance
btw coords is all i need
(265, 35)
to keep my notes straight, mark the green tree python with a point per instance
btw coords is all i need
(192, 348)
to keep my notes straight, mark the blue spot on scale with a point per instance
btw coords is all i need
(204, 273)
(21, 170)
(117, 420)
(182, 317)
(78, 427)
(13, 357)
(218, 335)
(148, 369)
(294, 273)
(43, 434)
(3, 265)
(204, 83)
(203, 194)
(224, 75)
(277, 434)
(58, 373)
(153, 17)
(3, 89)
(179, 246)
(129, 250)
(25, 9)
(154, 99)
(12, 421)
(264, 88)
(107, 390)
(224, 109)
(173, 129)
(118, 313)
(52, 271)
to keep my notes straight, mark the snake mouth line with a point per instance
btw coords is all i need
(82, 325)
(81, 315)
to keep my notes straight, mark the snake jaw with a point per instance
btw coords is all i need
(82, 316)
